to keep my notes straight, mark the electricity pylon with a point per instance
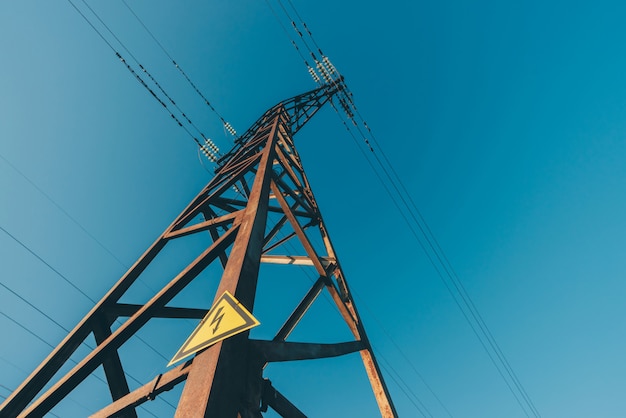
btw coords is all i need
(261, 175)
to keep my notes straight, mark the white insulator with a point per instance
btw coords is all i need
(323, 71)
(313, 74)
(331, 67)
(230, 129)
(320, 67)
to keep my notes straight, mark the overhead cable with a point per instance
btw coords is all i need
(227, 125)
(57, 323)
(136, 75)
(404, 203)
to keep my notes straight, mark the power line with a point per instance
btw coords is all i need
(51, 319)
(227, 125)
(437, 266)
(406, 389)
(144, 70)
(445, 262)
(466, 304)
(73, 220)
(395, 376)
(25, 328)
(23, 299)
(402, 353)
(293, 43)
(330, 69)
(66, 213)
(11, 390)
(68, 281)
(441, 263)
(133, 72)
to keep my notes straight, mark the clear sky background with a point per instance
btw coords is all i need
(505, 120)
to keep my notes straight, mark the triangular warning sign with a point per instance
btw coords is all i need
(226, 318)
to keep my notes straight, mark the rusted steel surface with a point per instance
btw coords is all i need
(214, 385)
(300, 310)
(127, 310)
(275, 399)
(381, 393)
(112, 365)
(276, 351)
(147, 392)
(203, 226)
(299, 231)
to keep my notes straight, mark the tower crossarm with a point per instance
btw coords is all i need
(300, 109)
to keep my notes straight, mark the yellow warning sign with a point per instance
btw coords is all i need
(226, 318)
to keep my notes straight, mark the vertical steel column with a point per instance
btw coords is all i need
(216, 383)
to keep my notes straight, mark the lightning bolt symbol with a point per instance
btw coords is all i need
(217, 318)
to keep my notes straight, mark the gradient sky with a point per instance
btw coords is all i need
(506, 121)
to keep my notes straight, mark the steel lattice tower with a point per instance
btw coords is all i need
(261, 175)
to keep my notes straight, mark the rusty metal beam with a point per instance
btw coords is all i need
(128, 310)
(147, 392)
(279, 242)
(223, 256)
(308, 247)
(113, 370)
(222, 202)
(277, 227)
(27, 391)
(302, 202)
(273, 398)
(300, 310)
(217, 379)
(296, 260)
(289, 170)
(276, 351)
(345, 312)
(203, 226)
(208, 195)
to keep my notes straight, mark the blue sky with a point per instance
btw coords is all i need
(505, 120)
